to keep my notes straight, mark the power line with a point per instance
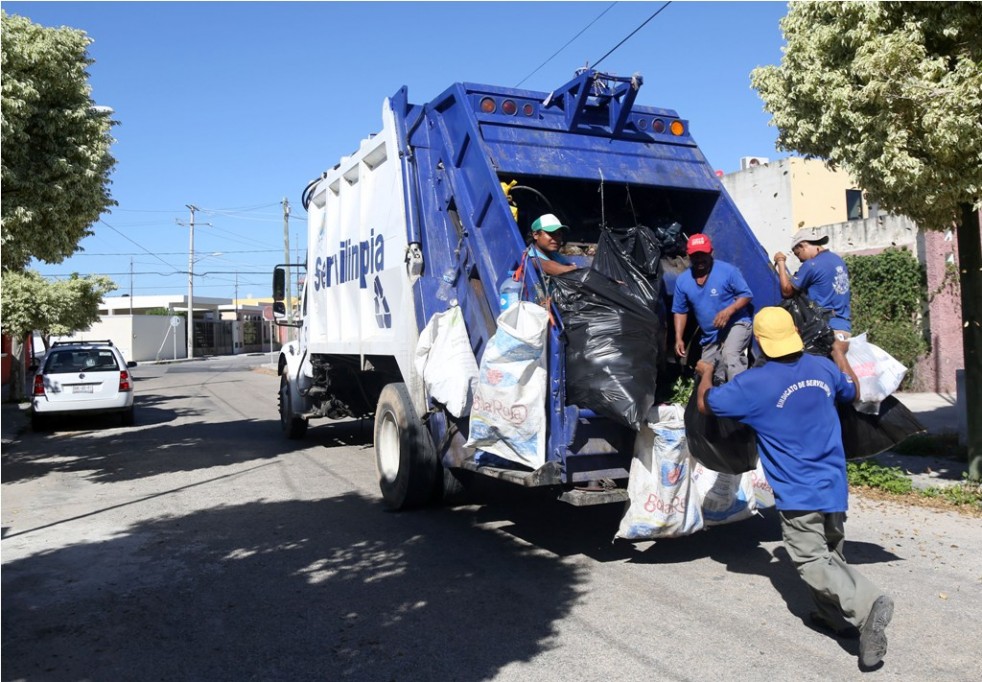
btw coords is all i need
(168, 253)
(597, 63)
(566, 45)
(145, 250)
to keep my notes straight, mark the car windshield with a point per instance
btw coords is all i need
(81, 360)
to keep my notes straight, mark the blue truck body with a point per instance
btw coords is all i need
(587, 152)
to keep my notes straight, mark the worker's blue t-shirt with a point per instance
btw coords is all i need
(825, 280)
(791, 406)
(724, 285)
(554, 257)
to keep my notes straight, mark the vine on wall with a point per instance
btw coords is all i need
(888, 294)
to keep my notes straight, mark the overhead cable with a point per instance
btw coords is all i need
(597, 63)
(566, 45)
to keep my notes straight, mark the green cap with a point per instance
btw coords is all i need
(548, 223)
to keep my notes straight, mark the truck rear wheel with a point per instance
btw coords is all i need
(404, 453)
(294, 427)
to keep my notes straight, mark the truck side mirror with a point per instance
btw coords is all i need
(279, 309)
(279, 285)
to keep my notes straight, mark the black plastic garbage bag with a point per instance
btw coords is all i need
(865, 435)
(612, 328)
(670, 239)
(719, 443)
(812, 322)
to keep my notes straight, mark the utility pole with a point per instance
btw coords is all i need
(286, 258)
(131, 290)
(193, 208)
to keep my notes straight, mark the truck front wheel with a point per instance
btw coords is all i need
(294, 427)
(404, 453)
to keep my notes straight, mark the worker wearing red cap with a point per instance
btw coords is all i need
(719, 297)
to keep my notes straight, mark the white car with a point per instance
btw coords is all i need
(82, 377)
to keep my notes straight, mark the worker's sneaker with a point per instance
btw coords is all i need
(844, 630)
(873, 636)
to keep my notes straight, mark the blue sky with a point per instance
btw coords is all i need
(234, 106)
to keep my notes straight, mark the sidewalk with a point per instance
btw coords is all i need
(936, 411)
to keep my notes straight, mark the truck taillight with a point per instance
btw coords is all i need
(509, 107)
(38, 384)
(488, 105)
(124, 381)
(658, 125)
(528, 109)
(677, 128)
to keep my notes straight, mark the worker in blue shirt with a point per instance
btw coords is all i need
(790, 402)
(548, 236)
(720, 298)
(823, 277)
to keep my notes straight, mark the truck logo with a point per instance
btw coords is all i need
(383, 318)
(351, 262)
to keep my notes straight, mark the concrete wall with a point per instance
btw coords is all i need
(138, 337)
(763, 196)
(784, 196)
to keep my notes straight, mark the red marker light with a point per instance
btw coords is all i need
(658, 125)
(488, 105)
(509, 107)
(528, 109)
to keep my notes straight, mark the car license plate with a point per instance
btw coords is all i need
(85, 388)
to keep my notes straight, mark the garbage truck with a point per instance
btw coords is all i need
(431, 216)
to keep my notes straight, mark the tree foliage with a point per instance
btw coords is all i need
(62, 307)
(55, 145)
(889, 91)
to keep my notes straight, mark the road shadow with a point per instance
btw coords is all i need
(317, 590)
(103, 452)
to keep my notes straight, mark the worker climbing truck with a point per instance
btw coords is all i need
(422, 309)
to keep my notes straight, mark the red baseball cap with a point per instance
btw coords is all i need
(698, 243)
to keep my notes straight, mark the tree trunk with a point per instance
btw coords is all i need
(970, 275)
(17, 374)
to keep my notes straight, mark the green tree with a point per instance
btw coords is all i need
(892, 93)
(52, 307)
(54, 181)
(56, 160)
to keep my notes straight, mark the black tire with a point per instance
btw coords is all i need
(452, 491)
(294, 427)
(405, 457)
(128, 417)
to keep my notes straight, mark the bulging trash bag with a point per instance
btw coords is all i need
(812, 321)
(719, 443)
(612, 328)
(865, 435)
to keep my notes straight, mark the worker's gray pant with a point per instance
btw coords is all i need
(814, 540)
(727, 354)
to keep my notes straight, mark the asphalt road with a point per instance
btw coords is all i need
(201, 545)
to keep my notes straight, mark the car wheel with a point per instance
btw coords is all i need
(294, 427)
(404, 453)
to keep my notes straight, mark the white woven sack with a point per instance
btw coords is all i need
(662, 501)
(763, 493)
(724, 498)
(508, 414)
(446, 362)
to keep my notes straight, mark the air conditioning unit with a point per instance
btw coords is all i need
(753, 161)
